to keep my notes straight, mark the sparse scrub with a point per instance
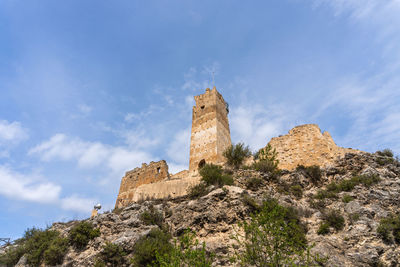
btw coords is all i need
(147, 247)
(297, 191)
(347, 198)
(347, 185)
(213, 175)
(323, 228)
(236, 154)
(353, 217)
(56, 251)
(313, 172)
(152, 216)
(197, 191)
(385, 153)
(250, 202)
(334, 219)
(389, 229)
(253, 183)
(112, 254)
(82, 233)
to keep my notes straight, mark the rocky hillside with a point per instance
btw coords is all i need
(361, 188)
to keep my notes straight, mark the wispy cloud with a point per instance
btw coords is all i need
(33, 188)
(89, 154)
(12, 132)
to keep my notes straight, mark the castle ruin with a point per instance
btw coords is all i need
(209, 138)
(210, 130)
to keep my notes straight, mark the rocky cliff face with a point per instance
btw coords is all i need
(214, 217)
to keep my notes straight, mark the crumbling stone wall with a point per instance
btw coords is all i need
(307, 145)
(210, 130)
(147, 174)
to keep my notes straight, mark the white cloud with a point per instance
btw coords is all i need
(178, 149)
(89, 154)
(24, 187)
(12, 132)
(79, 204)
(85, 109)
(255, 125)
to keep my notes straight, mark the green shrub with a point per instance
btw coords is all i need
(385, 153)
(347, 185)
(313, 172)
(111, 253)
(197, 191)
(353, 217)
(253, 183)
(334, 219)
(12, 255)
(250, 202)
(38, 246)
(297, 191)
(81, 234)
(56, 251)
(264, 166)
(347, 198)
(274, 236)
(322, 194)
(323, 229)
(389, 229)
(152, 217)
(148, 247)
(213, 175)
(235, 154)
(186, 252)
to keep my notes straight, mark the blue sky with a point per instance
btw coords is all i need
(91, 89)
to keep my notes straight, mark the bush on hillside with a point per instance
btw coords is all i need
(197, 191)
(274, 236)
(186, 251)
(334, 219)
(253, 183)
(266, 160)
(385, 153)
(236, 154)
(314, 173)
(152, 217)
(296, 190)
(389, 229)
(213, 175)
(148, 247)
(111, 254)
(81, 234)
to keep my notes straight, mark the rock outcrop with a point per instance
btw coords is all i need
(215, 216)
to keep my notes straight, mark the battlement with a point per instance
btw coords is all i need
(147, 174)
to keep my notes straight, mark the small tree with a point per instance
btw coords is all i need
(235, 154)
(267, 160)
(82, 233)
(213, 175)
(186, 252)
(274, 237)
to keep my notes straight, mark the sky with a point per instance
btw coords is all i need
(92, 89)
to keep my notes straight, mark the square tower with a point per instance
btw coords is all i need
(210, 130)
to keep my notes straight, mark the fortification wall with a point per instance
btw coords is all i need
(307, 145)
(165, 189)
(147, 174)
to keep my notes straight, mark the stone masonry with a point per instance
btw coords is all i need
(210, 130)
(147, 174)
(307, 145)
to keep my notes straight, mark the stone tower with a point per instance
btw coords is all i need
(210, 130)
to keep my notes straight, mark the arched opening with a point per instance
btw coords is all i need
(202, 163)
